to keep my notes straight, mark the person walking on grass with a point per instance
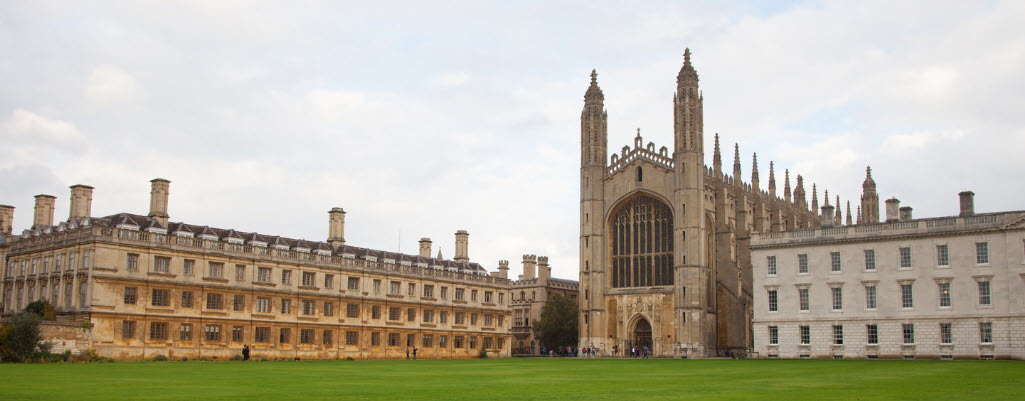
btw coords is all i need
(414, 353)
(245, 352)
(407, 353)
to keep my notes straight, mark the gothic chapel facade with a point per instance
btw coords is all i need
(664, 262)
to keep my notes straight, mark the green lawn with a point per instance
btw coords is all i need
(523, 379)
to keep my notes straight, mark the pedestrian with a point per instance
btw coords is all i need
(245, 352)
(407, 353)
(645, 352)
(414, 353)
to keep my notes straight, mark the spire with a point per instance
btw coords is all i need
(736, 163)
(594, 94)
(716, 157)
(687, 73)
(869, 199)
(826, 197)
(772, 178)
(859, 215)
(786, 185)
(849, 222)
(814, 198)
(439, 255)
(754, 174)
(839, 213)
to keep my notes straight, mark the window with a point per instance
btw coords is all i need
(444, 292)
(460, 317)
(873, 334)
(329, 282)
(442, 341)
(215, 269)
(411, 315)
(428, 316)
(263, 274)
(984, 298)
(354, 283)
(161, 264)
(306, 336)
(770, 261)
(214, 301)
(804, 302)
(262, 335)
(834, 258)
(85, 259)
(185, 332)
(805, 335)
(326, 338)
(71, 263)
(186, 299)
(309, 279)
(213, 332)
(351, 338)
(906, 296)
(160, 297)
(377, 286)
(395, 288)
(410, 342)
(473, 319)
(486, 343)
(905, 258)
(986, 333)
(393, 339)
(802, 263)
(283, 336)
(642, 244)
(944, 291)
(428, 291)
(238, 303)
(189, 267)
(240, 272)
(375, 339)
(837, 293)
(473, 295)
(473, 342)
(262, 305)
(837, 334)
(329, 309)
(870, 259)
(773, 335)
(412, 289)
(82, 294)
(56, 263)
(443, 317)
(394, 313)
(352, 310)
(158, 331)
(127, 329)
(981, 253)
(67, 296)
(236, 334)
(286, 306)
(501, 298)
(909, 333)
(870, 297)
(942, 255)
(130, 295)
(773, 305)
(286, 277)
(375, 312)
(133, 262)
(487, 320)
(309, 308)
(46, 264)
(428, 341)
(457, 342)
(946, 334)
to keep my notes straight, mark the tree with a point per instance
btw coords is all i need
(20, 337)
(43, 309)
(558, 325)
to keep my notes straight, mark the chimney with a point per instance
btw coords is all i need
(892, 210)
(967, 203)
(81, 201)
(336, 227)
(827, 218)
(158, 200)
(529, 263)
(905, 213)
(44, 211)
(6, 217)
(425, 248)
(462, 242)
(543, 270)
(503, 268)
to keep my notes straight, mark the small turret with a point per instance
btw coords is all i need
(772, 182)
(839, 214)
(849, 222)
(786, 185)
(814, 198)
(736, 165)
(754, 174)
(717, 158)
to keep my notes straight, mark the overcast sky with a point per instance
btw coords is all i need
(423, 118)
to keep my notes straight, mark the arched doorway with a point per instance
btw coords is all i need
(642, 334)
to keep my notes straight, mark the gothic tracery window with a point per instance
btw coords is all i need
(642, 244)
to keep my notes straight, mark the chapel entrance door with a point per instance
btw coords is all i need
(642, 334)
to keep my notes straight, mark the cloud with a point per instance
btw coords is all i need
(26, 125)
(111, 85)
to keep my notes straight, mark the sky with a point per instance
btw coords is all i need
(424, 118)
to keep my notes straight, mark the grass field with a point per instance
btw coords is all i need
(520, 379)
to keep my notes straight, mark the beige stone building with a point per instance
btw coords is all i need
(947, 287)
(664, 261)
(529, 294)
(150, 287)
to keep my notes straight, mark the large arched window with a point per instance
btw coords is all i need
(642, 244)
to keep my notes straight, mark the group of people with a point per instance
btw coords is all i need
(639, 352)
(414, 353)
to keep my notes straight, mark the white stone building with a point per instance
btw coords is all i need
(949, 287)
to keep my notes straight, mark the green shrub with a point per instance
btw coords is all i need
(160, 358)
(43, 309)
(483, 354)
(20, 337)
(349, 358)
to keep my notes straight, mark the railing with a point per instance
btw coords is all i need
(899, 227)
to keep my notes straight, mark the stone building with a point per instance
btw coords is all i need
(529, 294)
(150, 287)
(946, 287)
(663, 238)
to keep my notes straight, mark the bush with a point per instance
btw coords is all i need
(483, 354)
(160, 358)
(43, 309)
(20, 337)
(349, 358)
(236, 357)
